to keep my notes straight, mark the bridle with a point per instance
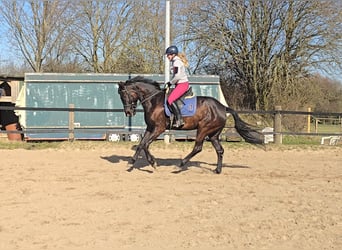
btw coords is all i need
(142, 99)
(131, 104)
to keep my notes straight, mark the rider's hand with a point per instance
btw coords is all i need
(168, 84)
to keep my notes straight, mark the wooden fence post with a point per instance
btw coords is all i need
(309, 121)
(71, 123)
(278, 138)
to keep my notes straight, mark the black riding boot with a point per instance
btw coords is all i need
(179, 119)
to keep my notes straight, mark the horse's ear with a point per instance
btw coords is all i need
(121, 85)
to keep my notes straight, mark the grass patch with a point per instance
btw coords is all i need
(326, 128)
(28, 145)
(301, 140)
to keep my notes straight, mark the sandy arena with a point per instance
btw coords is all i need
(84, 198)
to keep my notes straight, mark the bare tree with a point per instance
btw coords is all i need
(97, 35)
(262, 47)
(119, 36)
(38, 29)
(101, 30)
(312, 40)
(146, 48)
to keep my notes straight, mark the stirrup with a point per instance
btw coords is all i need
(179, 123)
(175, 123)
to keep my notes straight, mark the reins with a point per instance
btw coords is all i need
(142, 100)
(149, 97)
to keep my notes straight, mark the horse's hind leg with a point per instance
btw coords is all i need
(197, 148)
(219, 151)
(201, 134)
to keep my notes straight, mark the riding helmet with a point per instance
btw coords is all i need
(171, 50)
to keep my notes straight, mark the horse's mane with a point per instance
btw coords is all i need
(143, 79)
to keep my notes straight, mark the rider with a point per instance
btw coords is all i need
(179, 79)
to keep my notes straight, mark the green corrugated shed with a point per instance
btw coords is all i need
(96, 91)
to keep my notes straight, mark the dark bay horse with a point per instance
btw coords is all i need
(209, 119)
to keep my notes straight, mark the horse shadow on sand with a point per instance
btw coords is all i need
(142, 163)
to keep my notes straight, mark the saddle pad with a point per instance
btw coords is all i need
(188, 109)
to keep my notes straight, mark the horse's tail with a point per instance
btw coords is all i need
(244, 129)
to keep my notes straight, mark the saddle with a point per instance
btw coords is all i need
(187, 103)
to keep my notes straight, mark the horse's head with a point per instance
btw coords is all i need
(137, 89)
(129, 98)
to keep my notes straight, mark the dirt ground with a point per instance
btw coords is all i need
(84, 198)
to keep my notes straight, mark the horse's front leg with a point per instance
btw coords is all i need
(141, 146)
(144, 145)
(150, 158)
(152, 137)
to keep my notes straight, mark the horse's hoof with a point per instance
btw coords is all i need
(154, 165)
(130, 166)
(131, 161)
(218, 171)
(182, 164)
(183, 167)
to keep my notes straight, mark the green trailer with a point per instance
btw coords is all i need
(87, 91)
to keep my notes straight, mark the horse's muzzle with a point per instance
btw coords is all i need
(130, 113)
(130, 110)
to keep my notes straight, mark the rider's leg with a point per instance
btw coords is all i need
(175, 110)
(179, 90)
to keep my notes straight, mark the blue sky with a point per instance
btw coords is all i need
(6, 54)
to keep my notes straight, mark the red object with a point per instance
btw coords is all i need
(13, 136)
